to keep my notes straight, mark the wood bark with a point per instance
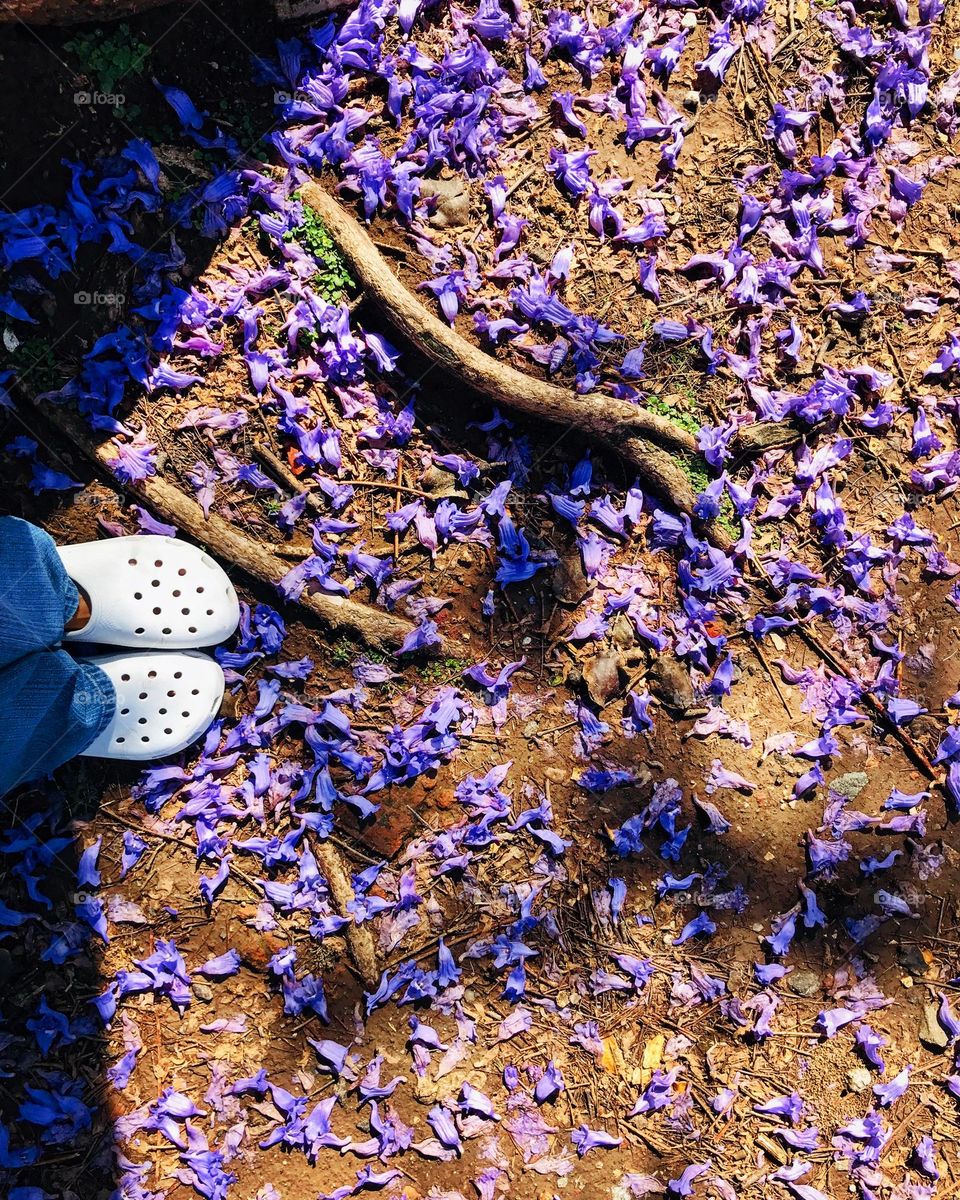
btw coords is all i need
(72, 12)
(374, 626)
(648, 442)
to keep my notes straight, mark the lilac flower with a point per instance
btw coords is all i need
(947, 1018)
(571, 171)
(789, 1107)
(549, 1085)
(700, 924)
(45, 479)
(832, 1020)
(135, 460)
(223, 965)
(586, 1140)
(472, 1100)
(886, 1093)
(924, 1156)
(684, 1185)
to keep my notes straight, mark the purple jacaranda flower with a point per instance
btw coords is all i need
(720, 777)
(657, 1094)
(683, 1186)
(947, 1018)
(425, 635)
(801, 1139)
(586, 1140)
(784, 931)
(223, 965)
(444, 1125)
(723, 1101)
(924, 1157)
(832, 1020)
(790, 1108)
(472, 1100)
(549, 1085)
(571, 171)
(887, 1093)
(87, 873)
(135, 460)
(947, 359)
(870, 1044)
(515, 566)
(187, 113)
(45, 479)
(700, 924)
(863, 1139)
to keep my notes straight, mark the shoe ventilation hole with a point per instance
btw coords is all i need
(185, 714)
(144, 738)
(192, 629)
(158, 563)
(124, 712)
(157, 612)
(168, 731)
(200, 588)
(143, 695)
(142, 721)
(178, 674)
(209, 612)
(167, 631)
(140, 630)
(182, 571)
(185, 611)
(138, 595)
(154, 582)
(125, 678)
(162, 712)
(194, 691)
(176, 591)
(132, 562)
(151, 674)
(171, 692)
(120, 739)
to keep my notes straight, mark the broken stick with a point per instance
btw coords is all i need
(648, 442)
(374, 626)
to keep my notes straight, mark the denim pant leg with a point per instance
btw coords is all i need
(52, 706)
(37, 596)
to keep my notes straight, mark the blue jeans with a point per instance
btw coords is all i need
(52, 705)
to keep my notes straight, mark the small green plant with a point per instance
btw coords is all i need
(109, 58)
(700, 481)
(333, 278)
(439, 670)
(688, 420)
(241, 122)
(36, 365)
(343, 652)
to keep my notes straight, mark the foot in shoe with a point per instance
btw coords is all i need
(149, 592)
(166, 700)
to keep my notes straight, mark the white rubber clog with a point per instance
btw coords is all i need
(165, 701)
(151, 592)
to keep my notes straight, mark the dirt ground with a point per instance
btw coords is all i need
(607, 1041)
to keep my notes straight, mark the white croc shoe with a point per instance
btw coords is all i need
(165, 701)
(151, 592)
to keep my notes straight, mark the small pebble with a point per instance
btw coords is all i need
(803, 983)
(851, 784)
